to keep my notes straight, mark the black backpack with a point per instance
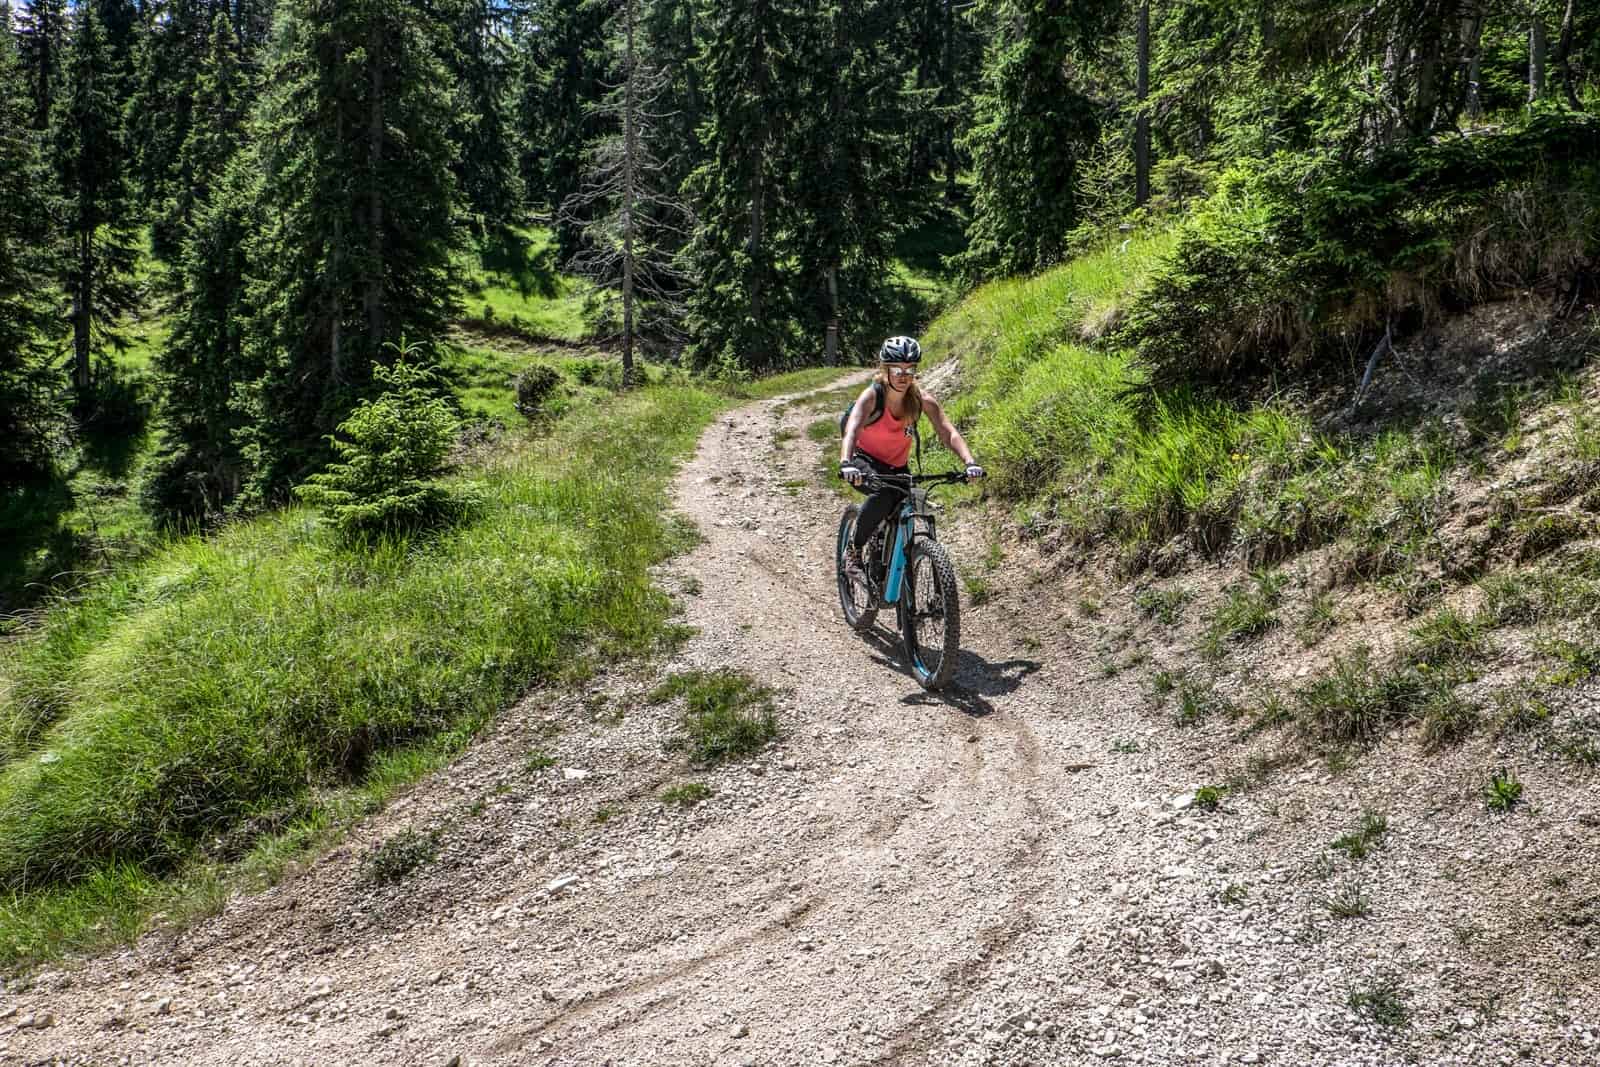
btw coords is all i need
(877, 409)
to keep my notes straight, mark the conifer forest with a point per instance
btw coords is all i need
(293, 186)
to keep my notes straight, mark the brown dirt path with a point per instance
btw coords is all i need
(998, 875)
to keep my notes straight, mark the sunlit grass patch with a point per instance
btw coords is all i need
(225, 680)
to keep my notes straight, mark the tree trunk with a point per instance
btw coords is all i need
(949, 93)
(1424, 111)
(335, 267)
(1536, 50)
(373, 295)
(630, 154)
(1141, 135)
(1564, 56)
(831, 343)
(1472, 36)
(82, 310)
(758, 185)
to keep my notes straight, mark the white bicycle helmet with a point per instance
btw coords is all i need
(900, 350)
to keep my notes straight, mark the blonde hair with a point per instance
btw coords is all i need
(913, 395)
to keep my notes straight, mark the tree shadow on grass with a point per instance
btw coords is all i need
(531, 270)
(35, 548)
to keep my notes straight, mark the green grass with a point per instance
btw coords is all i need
(727, 713)
(230, 681)
(521, 289)
(1575, 660)
(1503, 792)
(1358, 701)
(1348, 902)
(1368, 835)
(1163, 605)
(803, 380)
(686, 794)
(1380, 1000)
(1250, 608)
(1069, 427)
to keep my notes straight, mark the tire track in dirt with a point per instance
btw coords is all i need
(973, 762)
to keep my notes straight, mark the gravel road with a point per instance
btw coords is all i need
(1013, 873)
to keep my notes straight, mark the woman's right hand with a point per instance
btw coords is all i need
(850, 472)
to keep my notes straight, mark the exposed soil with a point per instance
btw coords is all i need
(1009, 873)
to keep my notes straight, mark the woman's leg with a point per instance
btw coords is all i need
(878, 505)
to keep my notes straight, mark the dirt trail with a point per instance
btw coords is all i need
(998, 875)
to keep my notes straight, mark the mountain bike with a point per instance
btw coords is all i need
(907, 569)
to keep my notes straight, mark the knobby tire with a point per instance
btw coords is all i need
(858, 616)
(929, 565)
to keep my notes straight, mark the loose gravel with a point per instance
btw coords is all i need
(1014, 873)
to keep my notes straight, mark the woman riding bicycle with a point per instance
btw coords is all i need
(879, 434)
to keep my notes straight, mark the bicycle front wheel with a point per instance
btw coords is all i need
(930, 614)
(855, 599)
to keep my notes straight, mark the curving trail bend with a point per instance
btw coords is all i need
(975, 878)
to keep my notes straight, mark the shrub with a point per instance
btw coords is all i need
(536, 387)
(391, 451)
(1297, 256)
(399, 856)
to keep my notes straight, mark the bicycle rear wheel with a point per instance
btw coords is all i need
(855, 599)
(930, 614)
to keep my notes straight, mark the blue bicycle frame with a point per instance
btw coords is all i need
(904, 530)
(915, 520)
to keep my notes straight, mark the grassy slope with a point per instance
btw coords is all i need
(269, 677)
(90, 520)
(272, 679)
(1474, 519)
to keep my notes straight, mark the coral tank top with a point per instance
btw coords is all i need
(888, 440)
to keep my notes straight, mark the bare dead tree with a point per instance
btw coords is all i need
(631, 223)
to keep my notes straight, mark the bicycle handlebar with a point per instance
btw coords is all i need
(912, 480)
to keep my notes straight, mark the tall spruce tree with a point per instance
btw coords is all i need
(1032, 124)
(563, 70)
(98, 212)
(29, 320)
(215, 129)
(359, 192)
(848, 167)
(673, 32)
(630, 221)
(941, 52)
(204, 362)
(742, 311)
(170, 50)
(42, 37)
(483, 60)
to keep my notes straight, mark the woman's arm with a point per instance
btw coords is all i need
(946, 429)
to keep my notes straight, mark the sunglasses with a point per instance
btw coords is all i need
(902, 372)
